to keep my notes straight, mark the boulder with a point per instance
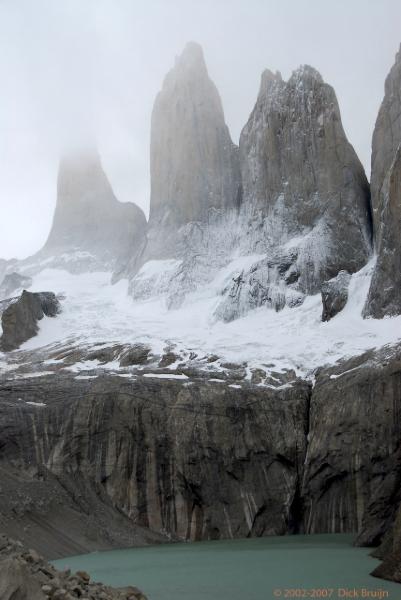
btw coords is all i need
(335, 295)
(17, 583)
(138, 354)
(20, 319)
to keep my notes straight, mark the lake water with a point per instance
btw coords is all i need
(251, 569)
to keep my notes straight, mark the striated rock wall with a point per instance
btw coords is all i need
(199, 461)
(353, 463)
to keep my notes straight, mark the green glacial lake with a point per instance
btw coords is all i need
(252, 569)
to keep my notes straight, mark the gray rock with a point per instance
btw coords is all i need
(385, 142)
(390, 552)
(303, 177)
(194, 163)
(199, 461)
(24, 579)
(138, 354)
(12, 283)
(16, 582)
(20, 319)
(169, 357)
(263, 284)
(304, 213)
(384, 296)
(105, 354)
(335, 295)
(352, 474)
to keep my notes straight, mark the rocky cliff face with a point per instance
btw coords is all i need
(353, 462)
(390, 552)
(384, 295)
(386, 139)
(302, 175)
(294, 204)
(91, 228)
(200, 459)
(194, 164)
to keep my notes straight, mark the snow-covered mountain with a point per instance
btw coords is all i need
(239, 242)
(298, 216)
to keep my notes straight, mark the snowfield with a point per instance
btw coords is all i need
(93, 310)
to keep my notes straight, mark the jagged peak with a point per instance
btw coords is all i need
(305, 74)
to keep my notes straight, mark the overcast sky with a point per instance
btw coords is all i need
(68, 66)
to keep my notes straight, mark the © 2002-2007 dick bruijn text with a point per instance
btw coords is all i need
(339, 592)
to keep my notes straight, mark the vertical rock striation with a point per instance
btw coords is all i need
(199, 459)
(351, 479)
(384, 296)
(203, 461)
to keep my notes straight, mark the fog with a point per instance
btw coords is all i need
(72, 70)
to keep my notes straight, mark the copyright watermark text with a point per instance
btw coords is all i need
(340, 592)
